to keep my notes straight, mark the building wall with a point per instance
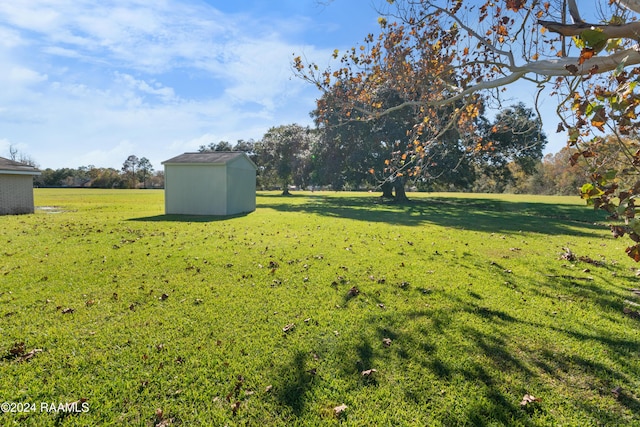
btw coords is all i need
(241, 184)
(16, 194)
(195, 190)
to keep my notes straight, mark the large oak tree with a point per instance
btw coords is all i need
(454, 54)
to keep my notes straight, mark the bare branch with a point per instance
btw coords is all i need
(475, 35)
(575, 14)
(624, 31)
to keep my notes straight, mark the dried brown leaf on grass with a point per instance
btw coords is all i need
(339, 410)
(529, 399)
(19, 352)
(160, 420)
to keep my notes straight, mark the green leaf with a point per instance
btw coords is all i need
(578, 42)
(589, 191)
(593, 109)
(621, 65)
(574, 134)
(635, 225)
(594, 39)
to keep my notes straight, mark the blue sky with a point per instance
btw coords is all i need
(89, 83)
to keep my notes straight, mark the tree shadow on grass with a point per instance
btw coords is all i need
(479, 214)
(295, 380)
(490, 337)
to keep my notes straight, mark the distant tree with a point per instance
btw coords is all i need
(284, 151)
(20, 157)
(220, 146)
(129, 169)
(54, 177)
(145, 169)
(348, 151)
(106, 178)
(157, 179)
(512, 143)
(13, 152)
(245, 146)
(559, 176)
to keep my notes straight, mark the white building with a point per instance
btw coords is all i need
(211, 183)
(16, 187)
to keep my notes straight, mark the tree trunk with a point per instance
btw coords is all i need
(387, 190)
(401, 195)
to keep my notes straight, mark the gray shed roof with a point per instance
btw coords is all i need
(12, 167)
(213, 157)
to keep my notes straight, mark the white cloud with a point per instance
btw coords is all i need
(152, 88)
(118, 154)
(9, 38)
(22, 75)
(98, 81)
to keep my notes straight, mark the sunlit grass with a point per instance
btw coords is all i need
(461, 303)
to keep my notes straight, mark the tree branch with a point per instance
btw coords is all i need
(573, 11)
(624, 31)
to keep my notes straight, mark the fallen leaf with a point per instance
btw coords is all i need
(354, 291)
(161, 421)
(29, 355)
(163, 297)
(18, 349)
(528, 398)
(568, 255)
(616, 391)
(236, 390)
(386, 342)
(235, 407)
(288, 327)
(268, 388)
(68, 310)
(368, 372)
(339, 410)
(74, 406)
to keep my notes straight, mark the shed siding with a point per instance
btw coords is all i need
(16, 194)
(215, 183)
(241, 176)
(195, 190)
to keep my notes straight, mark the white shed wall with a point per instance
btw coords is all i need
(241, 185)
(16, 194)
(195, 189)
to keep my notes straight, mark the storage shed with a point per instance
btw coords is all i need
(210, 183)
(16, 187)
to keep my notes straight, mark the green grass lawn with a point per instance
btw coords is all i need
(317, 309)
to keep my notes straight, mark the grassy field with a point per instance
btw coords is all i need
(316, 309)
